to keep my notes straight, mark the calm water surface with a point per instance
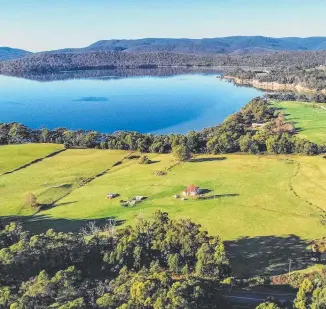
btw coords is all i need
(174, 104)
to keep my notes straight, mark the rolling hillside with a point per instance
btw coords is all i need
(252, 51)
(234, 45)
(7, 53)
(227, 45)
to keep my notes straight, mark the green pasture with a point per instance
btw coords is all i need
(266, 207)
(246, 195)
(52, 178)
(309, 119)
(15, 156)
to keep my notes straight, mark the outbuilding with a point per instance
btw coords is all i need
(192, 190)
(111, 195)
(139, 198)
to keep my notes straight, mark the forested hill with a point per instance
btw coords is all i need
(238, 45)
(7, 53)
(56, 62)
(234, 45)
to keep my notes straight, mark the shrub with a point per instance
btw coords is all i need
(31, 200)
(144, 160)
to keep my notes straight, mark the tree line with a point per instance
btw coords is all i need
(311, 295)
(311, 78)
(238, 133)
(160, 263)
(294, 96)
(156, 264)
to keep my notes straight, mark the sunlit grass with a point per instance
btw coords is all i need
(52, 178)
(309, 119)
(249, 195)
(14, 156)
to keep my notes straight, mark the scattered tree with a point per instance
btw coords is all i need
(182, 153)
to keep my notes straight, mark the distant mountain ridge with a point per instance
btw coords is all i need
(7, 53)
(238, 45)
(233, 45)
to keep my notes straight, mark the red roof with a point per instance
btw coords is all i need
(191, 188)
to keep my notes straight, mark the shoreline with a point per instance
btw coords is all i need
(273, 86)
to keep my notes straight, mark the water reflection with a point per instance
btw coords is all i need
(152, 100)
(120, 73)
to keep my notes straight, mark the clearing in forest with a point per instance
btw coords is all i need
(309, 119)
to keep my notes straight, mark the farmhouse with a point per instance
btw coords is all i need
(192, 190)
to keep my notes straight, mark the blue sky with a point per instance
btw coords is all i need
(51, 24)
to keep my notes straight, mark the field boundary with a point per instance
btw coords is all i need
(168, 169)
(302, 214)
(316, 208)
(85, 182)
(52, 154)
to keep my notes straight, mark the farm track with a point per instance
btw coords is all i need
(321, 211)
(34, 162)
(301, 214)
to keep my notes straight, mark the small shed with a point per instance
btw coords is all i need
(192, 190)
(139, 198)
(111, 195)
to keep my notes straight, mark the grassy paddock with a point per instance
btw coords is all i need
(266, 208)
(52, 178)
(15, 156)
(247, 195)
(309, 119)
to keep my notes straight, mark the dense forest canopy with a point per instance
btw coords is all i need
(294, 96)
(312, 78)
(158, 264)
(56, 62)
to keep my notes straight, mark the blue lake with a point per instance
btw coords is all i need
(173, 104)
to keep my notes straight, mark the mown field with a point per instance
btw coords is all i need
(263, 206)
(309, 119)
